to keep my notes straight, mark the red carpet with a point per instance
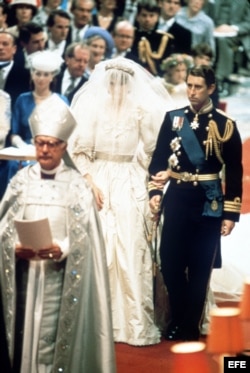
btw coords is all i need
(143, 359)
(158, 358)
(150, 359)
(153, 359)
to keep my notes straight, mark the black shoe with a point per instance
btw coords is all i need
(173, 333)
(190, 337)
(191, 334)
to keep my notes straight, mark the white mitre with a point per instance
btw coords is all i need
(52, 118)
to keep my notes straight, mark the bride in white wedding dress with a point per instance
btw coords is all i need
(119, 112)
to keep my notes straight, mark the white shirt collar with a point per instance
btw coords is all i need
(6, 70)
(80, 31)
(58, 48)
(165, 25)
(66, 81)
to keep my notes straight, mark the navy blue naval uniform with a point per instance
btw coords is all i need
(190, 242)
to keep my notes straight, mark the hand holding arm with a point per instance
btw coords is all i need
(160, 179)
(99, 197)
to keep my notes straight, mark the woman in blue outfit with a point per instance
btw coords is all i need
(45, 65)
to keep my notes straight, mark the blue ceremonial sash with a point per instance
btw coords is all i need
(214, 204)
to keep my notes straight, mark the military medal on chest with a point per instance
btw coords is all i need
(195, 123)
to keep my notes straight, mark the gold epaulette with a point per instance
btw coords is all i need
(233, 206)
(165, 33)
(151, 187)
(225, 114)
(214, 139)
(147, 55)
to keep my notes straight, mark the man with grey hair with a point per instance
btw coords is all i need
(72, 76)
(123, 35)
(56, 317)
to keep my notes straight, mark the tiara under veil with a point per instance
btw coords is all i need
(121, 100)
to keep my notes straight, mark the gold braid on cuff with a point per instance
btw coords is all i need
(233, 206)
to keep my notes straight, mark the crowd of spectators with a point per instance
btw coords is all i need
(51, 49)
(85, 32)
(146, 31)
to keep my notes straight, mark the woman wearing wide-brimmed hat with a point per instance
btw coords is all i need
(21, 12)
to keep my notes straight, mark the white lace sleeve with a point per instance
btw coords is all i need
(82, 162)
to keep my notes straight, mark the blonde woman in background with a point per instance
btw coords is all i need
(175, 69)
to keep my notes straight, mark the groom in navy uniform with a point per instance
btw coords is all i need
(194, 143)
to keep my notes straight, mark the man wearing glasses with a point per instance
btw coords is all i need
(52, 301)
(124, 33)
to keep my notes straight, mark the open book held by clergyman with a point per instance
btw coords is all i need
(34, 234)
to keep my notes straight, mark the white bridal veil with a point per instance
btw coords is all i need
(118, 91)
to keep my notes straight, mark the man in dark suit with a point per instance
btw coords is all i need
(81, 11)
(58, 24)
(123, 36)
(14, 78)
(167, 22)
(31, 40)
(151, 45)
(72, 76)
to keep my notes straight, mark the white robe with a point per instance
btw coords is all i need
(67, 309)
